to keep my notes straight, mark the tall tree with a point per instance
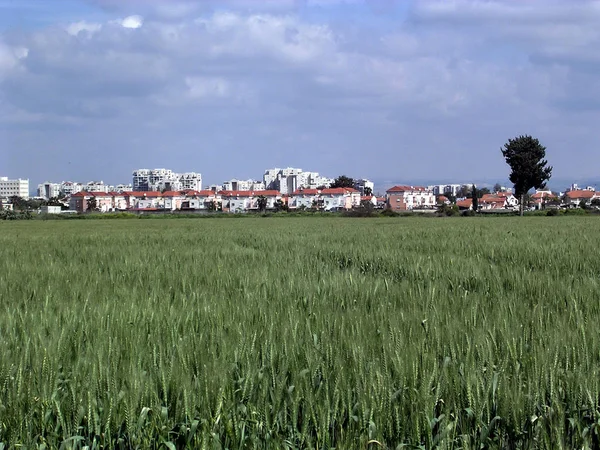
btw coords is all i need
(525, 156)
(92, 204)
(343, 182)
(475, 200)
(261, 202)
(497, 187)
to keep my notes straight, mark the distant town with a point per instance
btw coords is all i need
(162, 190)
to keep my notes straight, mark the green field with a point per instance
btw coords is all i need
(300, 333)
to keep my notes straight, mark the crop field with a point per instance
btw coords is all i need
(311, 333)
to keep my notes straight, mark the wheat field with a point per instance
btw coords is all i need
(316, 333)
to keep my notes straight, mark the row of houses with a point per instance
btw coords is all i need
(329, 199)
(539, 200)
(398, 198)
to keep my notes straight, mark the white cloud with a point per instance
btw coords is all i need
(132, 22)
(77, 27)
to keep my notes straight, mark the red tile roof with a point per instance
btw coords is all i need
(581, 194)
(302, 191)
(404, 188)
(173, 194)
(267, 193)
(202, 193)
(142, 194)
(542, 194)
(492, 198)
(338, 191)
(466, 203)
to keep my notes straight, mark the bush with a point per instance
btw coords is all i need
(389, 213)
(552, 212)
(448, 210)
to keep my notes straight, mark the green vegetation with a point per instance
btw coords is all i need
(322, 333)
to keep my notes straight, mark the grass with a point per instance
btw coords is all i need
(300, 333)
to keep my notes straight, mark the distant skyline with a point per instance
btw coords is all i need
(403, 90)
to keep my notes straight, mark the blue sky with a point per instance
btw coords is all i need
(391, 90)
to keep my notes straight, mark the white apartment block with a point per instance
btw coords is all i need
(48, 190)
(286, 181)
(97, 186)
(363, 184)
(17, 187)
(445, 189)
(123, 188)
(243, 185)
(70, 188)
(161, 179)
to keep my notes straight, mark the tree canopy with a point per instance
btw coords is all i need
(525, 156)
(343, 182)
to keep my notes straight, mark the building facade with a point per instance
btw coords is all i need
(14, 187)
(165, 179)
(406, 198)
(48, 190)
(288, 180)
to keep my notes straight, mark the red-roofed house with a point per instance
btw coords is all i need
(140, 200)
(574, 198)
(339, 198)
(205, 199)
(406, 198)
(540, 198)
(242, 201)
(467, 203)
(304, 198)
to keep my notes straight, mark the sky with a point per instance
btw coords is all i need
(390, 90)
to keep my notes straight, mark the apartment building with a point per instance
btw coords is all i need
(243, 185)
(328, 199)
(68, 188)
(165, 179)
(288, 180)
(406, 198)
(445, 189)
(48, 190)
(14, 187)
(364, 186)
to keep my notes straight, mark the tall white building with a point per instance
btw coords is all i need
(161, 179)
(243, 185)
(288, 180)
(48, 190)
(445, 189)
(18, 187)
(141, 180)
(70, 188)
(363, 185)
(97, 186)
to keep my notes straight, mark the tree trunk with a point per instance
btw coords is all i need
(522, 206)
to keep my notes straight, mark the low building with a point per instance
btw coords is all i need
(541, 198)
(50, 210)
(243, 201)
(499, 200)
(328, 199)
(576, 198)
(204, 200)
(406, 198)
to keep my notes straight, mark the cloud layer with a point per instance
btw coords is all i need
(429, 91)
